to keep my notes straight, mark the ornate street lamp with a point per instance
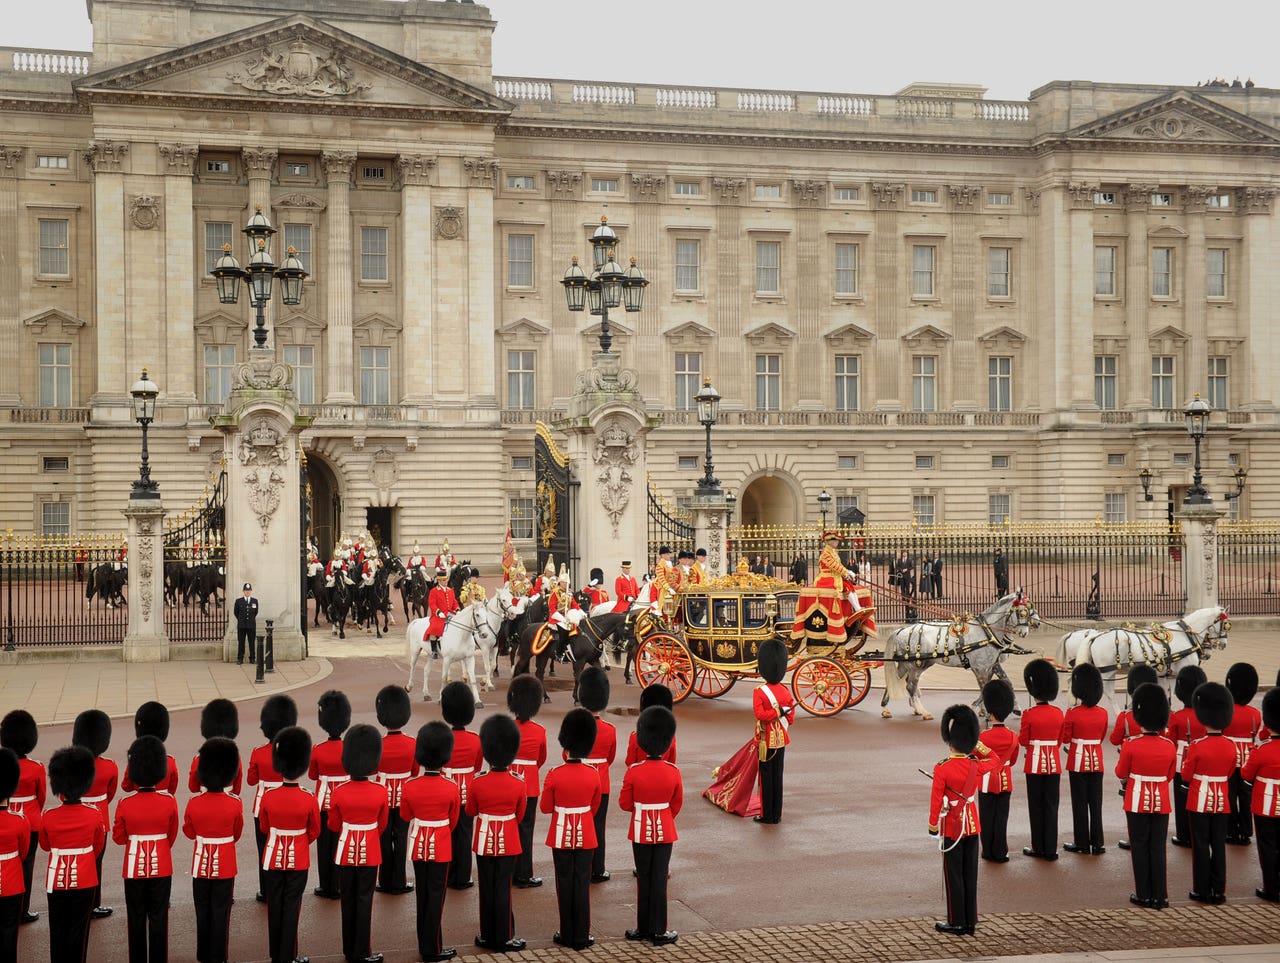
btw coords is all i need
(824, 506)
(144, 393)
(258, 273)
(708, 402)
(1145, 477)
(1197, 415)
(608, 285)
(1240, 474)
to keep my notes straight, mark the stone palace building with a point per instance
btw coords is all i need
(931, 304)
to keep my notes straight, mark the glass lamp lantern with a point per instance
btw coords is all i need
(144, 392)
(291, 275)
(633, 284)
(1197, 415)
(575, 286)
(708, 402)
(229, 274)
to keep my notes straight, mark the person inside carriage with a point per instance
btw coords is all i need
(836, 610)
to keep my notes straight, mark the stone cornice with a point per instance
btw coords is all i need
(178, 159)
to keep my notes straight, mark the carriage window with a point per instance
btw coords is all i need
(755, 613)
(726, 613)
(695, 612)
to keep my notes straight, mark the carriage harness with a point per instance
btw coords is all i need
(953, 645)
(1155, 645)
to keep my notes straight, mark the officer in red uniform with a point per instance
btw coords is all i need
(219, 719)
(775, 710)
(1246, 721)
(1206, 769)
(524, 699)
(289, 818)
(651, 695)
(571, 796)
(653, 793)
(1083, 728)
(152, 719)
(626, 588)
(278, 713)
(441, 603)
(327, 771)
(593, 695)
(1184, 729)
(396, 767)
(497, 803)
(92, 730)
(996, 788)
(458, 707)
(1040, 735)
(18, 732)
(595, 589)
(15, 840)
(1263, 770)
(1146, 766)
(430, 805)
(73, 835)
(214, 821)
(358, 814)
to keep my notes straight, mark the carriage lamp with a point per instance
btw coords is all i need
(144, 393)
(708, 402)
(824, 506)
(258, 273)
(1197, 415)
(607, 286)
(1240, 474)
(1145, 477)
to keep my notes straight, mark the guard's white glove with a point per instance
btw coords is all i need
(439, 613)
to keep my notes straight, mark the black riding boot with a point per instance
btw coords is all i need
(435, 648)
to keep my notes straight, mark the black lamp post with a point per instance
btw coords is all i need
(1145, 477)
(1197, 415)
(708, 402)
(259, 273)
(144, 393)
(730, 500)
(824, 506)
(607, 286)
(1240, 474)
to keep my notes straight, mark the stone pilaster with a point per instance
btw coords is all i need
(260, 168)
(966, 276)
(107, 160)
(177, 162)
(811, 286)
(1137, 297)
(338, 267)
(11, 159)
(646, 246)
(1194, 280)
(480, 294)
(711, 531)
(145, 639)
(729, 293)
(886, 199)
(566, 241)
(1074, 315)
(419, 232)
(1200, 558)
(1259, 295)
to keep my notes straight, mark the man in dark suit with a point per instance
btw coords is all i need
(246, 613)
(937, 575)
(1000, 568)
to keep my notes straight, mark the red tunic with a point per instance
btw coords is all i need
(1206, 768)
(467, 760)
(431, 805)
(72, 834)
(397, 766)
(497, 801)
(1263, 770)
(358, 814)
(1243, 732)
(15, 843)
(572, 793)
(1040, 735)
(28, 799)
(106, 774)
(193, 779)
(627, 589)
(653, 792)
(441, 603)
(147, 826)
(326, 769)
(1125, 728)
(774, 716)
(1083, 729)
(215, 821)
(1003, 742)
(170, 784)
(532, 755)
(262, 773)
(1184, 729)
(636, 754)
(953, 804)
(290, 819)
(1146, 765)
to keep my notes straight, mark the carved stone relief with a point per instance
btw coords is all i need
(179, 158)
(483, 171)
(1256, 200)
(384, 472)
(809, 192)
(1137, 197)
(11, 160)
(264, 453)
(963, 195)
(146, 566)
(1080, 195)
(299, 72)
(729, 187)
(259, 160)
(564, 182)
(299, 200)
(415, 169)
(887, 195)
(615, 456)
(144, 211)
(1171, 127)
(450, 223)
(595, 379)
(105, 156)
(648, 185)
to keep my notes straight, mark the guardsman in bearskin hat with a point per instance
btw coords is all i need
(152, 719)
(595, 589)
(1246, 722)
(656, 694)
(571, 796)
(1083, 728)
(458, 707)
(653, 792)
(996, 788)
(73, 835)
(396, 767)
(92, 730)
(1125, 727)
(593, 695)
(358, 812)
(214, 821)
(626, 588)
(327, 772)
(1146, 767)
(524, 699)
(18, 732)
(1208, 765)
(1263, 770)
(278, 713)
(146, 825)
(219, 719)
(430, 805)
(290, 818)
(1039, 738)
(497, 803)
(15, 841)
(1184, 729)
(441, 604)
(953, 816)
(775, 710)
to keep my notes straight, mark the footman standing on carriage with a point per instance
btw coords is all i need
(1146, 766)
(1040, 736)
(775, 710)
(1246, 721)
(825, 612)
(1083, 729)
(358, 813)
(431, 805)
(666, 583)
(328, 773)
(1184, 729)
(996, 788)
(571, 796)
(1207, 767)
(626, 588)
(1263, 770)
(441, 603)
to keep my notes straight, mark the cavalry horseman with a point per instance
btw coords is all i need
(446, 559)
(563, 611)
(826, 613)
(417, 561)
(441, 604)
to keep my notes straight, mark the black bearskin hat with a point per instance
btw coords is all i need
(1151, 708)
(1041, 680)
(10, 772)
(92, 730)
(278, 712)
(771, 660)
(593, 689)
(18, 731)
(656, 695)
(393, 707)
(151, 719)
(475, 572)
(335, 713)
(997, 696)
(71, 773)
(1140, 675)
(148, 762)
(960, 728)
(524, 696)
(220, 719)
(1242, 682)
(1271, 711)
(217, 764)
(499, 741)
(578, 733)
(1190, 678)
(1213, 706)
(1086, 684)
(655, 730)
(457, 704)
(597, 576)
(435, 745)
(361, 751)
(291, 752)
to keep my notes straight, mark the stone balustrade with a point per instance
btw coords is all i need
(29, 61)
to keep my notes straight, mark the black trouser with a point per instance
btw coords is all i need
(430, 879)
(573, 893)
(10, 913)
(394, 841)
(261, 838)
(1043, 792)
(147, 904)
(326, 846)
(1268, 829)
(960, 880)
(993, 816)
(771, 785)
(212, 898)
(243, 634)
(97, 890)
(460, 868)
(1208, 853)
(601, 814)
(1181, 826)
(356, 884)
(1240, 824)
(524, 862)
(653, 863)
(283, 889)
(1086, 809)
(28, 870)
(494, 874)
(1147, 833)
(69, 925)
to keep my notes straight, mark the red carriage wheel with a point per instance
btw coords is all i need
(821, 686)
(710, 683)
(859, 685)
(664, 659)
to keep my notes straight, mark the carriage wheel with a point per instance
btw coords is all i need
(664, 659)
(859, 686)
(710, 683)
(821, 686)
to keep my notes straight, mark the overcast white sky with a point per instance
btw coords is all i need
(837, 45)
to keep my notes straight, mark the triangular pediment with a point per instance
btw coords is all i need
(927, 332)
(375, 322)
(218, 327)
(769, 331)
(689, 331)
(616, 328)
(848, 332)
(1179, 117)
(301, 321)
(1002, 335)
(1168, 335)
(54, 321)
(523, 329)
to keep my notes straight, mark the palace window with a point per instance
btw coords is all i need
(1116, 459)
(376, 172)
(999, 199)
(922, 257)
(302, 358)
(998, 261)
(522, 463)
(217, 167)
(375, 376)
(998, 508)
(604, 185)
(520, 514)
(846, 269)
(1104, 198)
(55, 375)
(686, 188)
(847, 462)
(847, 374)
(768, 267)
(298, 237)
(688, 263)
(1162, 381)
(55, 518)
(1104, 381)
(520, 379)
(1115, 508)
(1217, 385)
(519, 260)
(844, 504)
(1161, 200)
(923, 197)
(1218, 200)
(373, 254)
(768, 192)
(1216, 272)
(687, 462)
(846, 194)
(924, 383)
(924, 509)
(924, 463)
(1000, 462)
(688, 379)
(1104, 272)
(57, 162)
(1162, 272)
(769, 382)
(55, 259)
(520, 182)
(999, 384)
(55, 463)
(297, 169)
(219, 359)
(216, 234)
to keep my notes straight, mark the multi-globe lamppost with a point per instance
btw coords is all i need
(258, 273)
(607, 286)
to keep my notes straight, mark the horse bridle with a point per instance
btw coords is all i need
(476, 628)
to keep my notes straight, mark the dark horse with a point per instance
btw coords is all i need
(341, 602)
(317, 590)
(376, 597)
(414, 589)
(585, 648)
(107, 581)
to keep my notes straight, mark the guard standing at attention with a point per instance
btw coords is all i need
(396, 768)
(1263, 770)
(571, 796)
(524, 699)
(291, 821)
(92, 729)
(358, 814)
(1146, 765)
(1246, 721)
(996, 788)
(431, 805)
(18, 732)
(73, 835)
(1040, 736)
(497, 803)
(246, 613)
(278, 712)
(1184, 729)
(15, 839)
(775, 710)
(593, 695)
(1207, 767)
(1083, 729)
(214, 821)
(458, 708)
(327, 771)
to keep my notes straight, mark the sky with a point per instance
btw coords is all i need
(836, 46)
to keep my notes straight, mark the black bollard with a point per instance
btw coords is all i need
(259, 677)
(271, 647)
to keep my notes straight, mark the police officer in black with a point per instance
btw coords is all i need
(246, 613)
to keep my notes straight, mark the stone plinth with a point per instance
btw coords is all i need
(1200, 555)
(711, 531)
(146, 640)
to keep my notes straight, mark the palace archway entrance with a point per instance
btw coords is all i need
(326, 504)
(768, 500)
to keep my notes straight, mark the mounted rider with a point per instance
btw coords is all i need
(836, 601)
(441, 604)
(446, 560)
(418, 562)
(472, 590)
(336, 568)
(369, 569)
(544, 582)
(626, 588)
(595, 589)
(314, 565)
(563, 610)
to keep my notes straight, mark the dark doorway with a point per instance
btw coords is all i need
(326, 504)
(379, 523)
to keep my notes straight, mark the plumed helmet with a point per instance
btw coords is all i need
(655, 730)
(18, 731)
(1150, 707)
(393, 707)
(499, 741)
(578, 733)
(10, 772)
(1190, 678)
(1213, 706)
(593, 689)
(361, 751)
(656, 694)
(524, 696)
(549, 570)
(960, 728)
(148, 762)
(1086, 684)
(1041, 680)
(220, 717)
(334, 713)
(1271, 711)
(151, 719)
(997, 697)
(434, 745)
(1242, 682)
(217, 764)
(92, 730)
(291, 752)
(278, 712)
(457, 704)
(71, 772)
(1140, 674)
(771, 660)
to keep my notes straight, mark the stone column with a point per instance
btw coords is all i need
(885, 198)
(338, 267)
(260, 168)
(418, 228)
(811, 283)
(177, 161)
(1072, 298)
(726, 291)
(145, 640)
(1137, 296)
(480, 287)
(711, 531)
(106, 159)
(968, 284)
(1200, 553)
(11, 159)
(1194, 275)
(1260, 296)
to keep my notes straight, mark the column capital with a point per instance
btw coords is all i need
(259, 161)
(1137, 197)
(650, 186)
(809, 193)
(106, 156)
(415, 169)
(11, 160)
(564, 184)
(1080, 195)
(179, 159)
(1195, 197)
(1255, 200)
(887, 195)
(1032, 195)
(963, 196)
(483, 171)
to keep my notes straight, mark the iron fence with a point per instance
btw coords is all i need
(195, 566)
(669, 525)
(1249, 567)
(62, 589)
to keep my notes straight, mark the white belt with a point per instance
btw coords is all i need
(461, 783)
(134, 853)
(1077, 755)
(262, 791)
(1035, 759)
(1139, 791)
(56, 856)
(524, 762)
(385, 777)
(1204, 787)
(458, 772)
(639, 815)
(561, 821)
(347, 830)
(1268, 793)
(326, 788)
(596, 762)
(205, 856)
(486, 821)
(20, 799)
(273, 840)
(416, 826)
(4, 856)
(1244, 746)
(94, 799)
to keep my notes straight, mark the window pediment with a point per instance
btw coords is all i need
(221, 328)
(691, 332)
(1002, 337)
(845, 334)
(54, 321)
(617, 329)
(301, 325)
(1167, 339)
(926, 335)
(524, 329)
(771, 333)
(1167, 232)
(375, 329)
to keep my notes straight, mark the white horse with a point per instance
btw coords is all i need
(467, 632)
(980, 645)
